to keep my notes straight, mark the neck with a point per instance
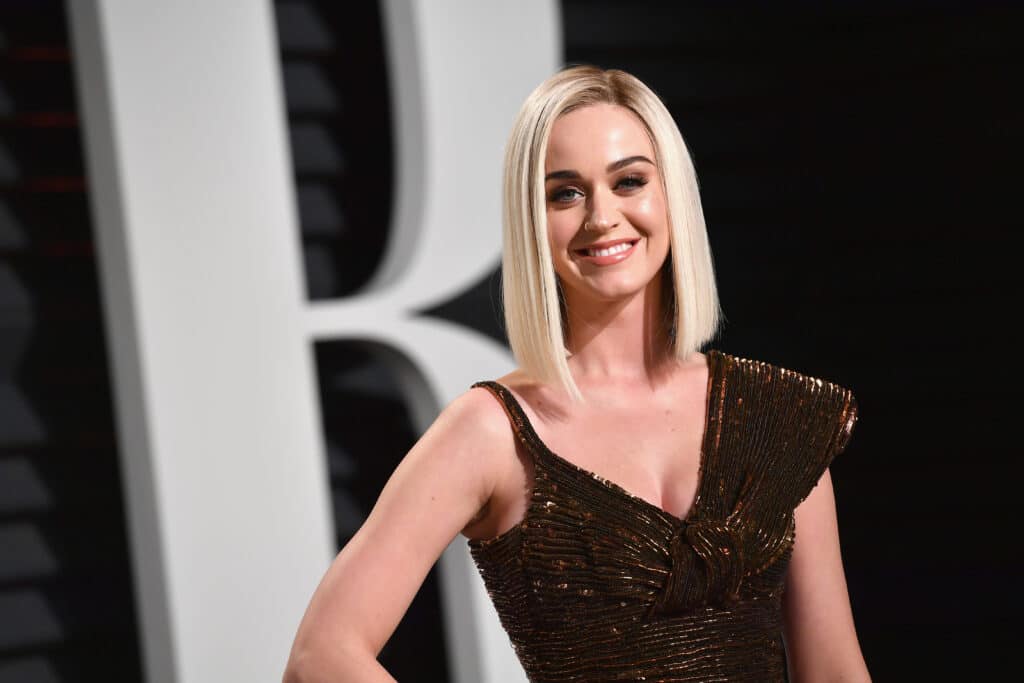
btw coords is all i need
(618, 341)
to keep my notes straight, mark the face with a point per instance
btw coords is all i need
(603, 189)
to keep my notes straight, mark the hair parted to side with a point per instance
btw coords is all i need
(533, 310)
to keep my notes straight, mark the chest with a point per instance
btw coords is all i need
(654, 453)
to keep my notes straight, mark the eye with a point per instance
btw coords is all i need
(564, 195)
(631, 182)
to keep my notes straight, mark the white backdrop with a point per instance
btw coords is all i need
(222, 450)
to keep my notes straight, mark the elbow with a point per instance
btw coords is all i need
(310, 664)
(299, 668)
(322, 663)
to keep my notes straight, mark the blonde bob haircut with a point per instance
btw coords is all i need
(534, 307)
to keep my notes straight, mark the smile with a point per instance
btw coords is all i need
(607, 254)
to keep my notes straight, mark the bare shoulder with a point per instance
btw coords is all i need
(508, 461)
(475, 432)
(476, 416)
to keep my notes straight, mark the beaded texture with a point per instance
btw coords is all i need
(597, 584)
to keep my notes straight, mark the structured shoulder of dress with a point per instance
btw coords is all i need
(767, 373)
(791, 425)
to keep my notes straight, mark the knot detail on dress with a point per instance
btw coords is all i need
(707, 562)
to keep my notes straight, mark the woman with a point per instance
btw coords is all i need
(630, 502)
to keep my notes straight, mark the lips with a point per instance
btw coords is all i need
(584, 251)
(628, 246)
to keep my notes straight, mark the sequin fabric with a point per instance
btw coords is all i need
(597, 584)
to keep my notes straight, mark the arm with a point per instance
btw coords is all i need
(821, 641)
(440, 485)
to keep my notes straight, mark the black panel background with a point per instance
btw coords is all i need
(859, 167)
(67, 610)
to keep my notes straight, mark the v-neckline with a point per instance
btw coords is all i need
(702, 460)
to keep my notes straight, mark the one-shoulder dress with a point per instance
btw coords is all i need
(597, 584)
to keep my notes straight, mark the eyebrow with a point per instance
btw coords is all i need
(611, 168)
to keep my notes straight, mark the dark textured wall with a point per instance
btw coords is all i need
(66, 603)
(858, 167)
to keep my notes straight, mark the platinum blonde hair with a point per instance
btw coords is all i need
(534, 311)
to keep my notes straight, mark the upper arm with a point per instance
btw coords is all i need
(821, 641)
(437, 488)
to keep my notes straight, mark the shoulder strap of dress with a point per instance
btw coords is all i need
(516, 416)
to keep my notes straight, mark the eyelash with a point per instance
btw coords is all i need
(636, 181)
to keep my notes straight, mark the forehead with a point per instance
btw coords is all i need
(596, 134)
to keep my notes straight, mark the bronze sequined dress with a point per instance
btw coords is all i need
(596, 584)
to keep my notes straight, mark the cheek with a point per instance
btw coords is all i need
(646, 206)
(560, 232)
(649, 213)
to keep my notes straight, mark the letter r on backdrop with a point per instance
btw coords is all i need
(209, 333)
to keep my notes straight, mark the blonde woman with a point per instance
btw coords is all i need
(632, 503)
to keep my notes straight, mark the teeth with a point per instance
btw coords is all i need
(610, 250)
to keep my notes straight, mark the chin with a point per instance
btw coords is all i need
(612, 291)
(607, 283)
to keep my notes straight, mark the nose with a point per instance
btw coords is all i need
(602, 215)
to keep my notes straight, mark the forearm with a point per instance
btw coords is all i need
(848, 667)
(852, 676)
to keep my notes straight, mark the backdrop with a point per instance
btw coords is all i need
(208, 212)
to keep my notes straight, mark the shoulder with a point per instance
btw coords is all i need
(471, 436)
(476, 415)
(483, 428)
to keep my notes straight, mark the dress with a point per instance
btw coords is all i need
(597, 584)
